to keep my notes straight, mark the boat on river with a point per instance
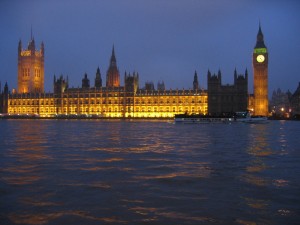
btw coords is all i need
(246, 117)
(198, 118)
(242, 117)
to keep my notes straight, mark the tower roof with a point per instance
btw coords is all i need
(113, 57)
(195, 74)
(297, 92)
(260, 39)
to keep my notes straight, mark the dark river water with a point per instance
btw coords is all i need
(148, 172)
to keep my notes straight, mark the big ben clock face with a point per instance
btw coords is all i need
(260, 58)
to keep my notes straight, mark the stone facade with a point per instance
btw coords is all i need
(295, 102)
(30, 68)
(227, 98)
(118, 102)
(260, 73)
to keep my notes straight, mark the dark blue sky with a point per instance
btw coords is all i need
(161, 39)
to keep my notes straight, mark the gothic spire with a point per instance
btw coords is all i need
(113, 60)
(235, 74)
(5, 88)
(98, 79)
(31, 36)
(208, 73)
(98, 73)
(260, 39)
(195, 82)
(20, 46)
(113, 75)
(31, 44)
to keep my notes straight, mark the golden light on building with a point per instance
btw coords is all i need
(130, 101)
(30, 68)
(110, 103)
(260, 73)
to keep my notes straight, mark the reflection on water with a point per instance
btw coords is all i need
(259, 148)
(148, 172)
(260, 145)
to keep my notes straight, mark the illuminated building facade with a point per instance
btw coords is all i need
(30, 68)
(112, 101)
(130, 100)
(260, 73)
(117, 102)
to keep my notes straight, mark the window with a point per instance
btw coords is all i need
(26, 72)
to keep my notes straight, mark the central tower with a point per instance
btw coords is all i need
(113, 75)
(260, 73)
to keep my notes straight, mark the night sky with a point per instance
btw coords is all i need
(160, 39)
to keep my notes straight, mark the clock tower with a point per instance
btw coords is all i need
(260, 73)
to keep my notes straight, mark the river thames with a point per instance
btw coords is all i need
(148, 172)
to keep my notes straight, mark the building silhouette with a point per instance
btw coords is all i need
(85, 82)
(4, 98)
(161, 86)
(279, 103)
(295, 102)
(98, 79)
(227, 98)
(195, 82)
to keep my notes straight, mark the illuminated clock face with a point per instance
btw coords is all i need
(260, 58)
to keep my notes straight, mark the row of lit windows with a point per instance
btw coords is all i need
(138, 95)
(87, 110)
(91, 110)
(102, 95)
(29, 102)
(129, 101)
(104, 101)
(174, 101)
(39, 96)
(167, 93)
(31, 110)
(136, 109)
(135, 97)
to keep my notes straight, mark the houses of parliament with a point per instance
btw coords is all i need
(94, 99)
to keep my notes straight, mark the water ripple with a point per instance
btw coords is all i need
(150, 172)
